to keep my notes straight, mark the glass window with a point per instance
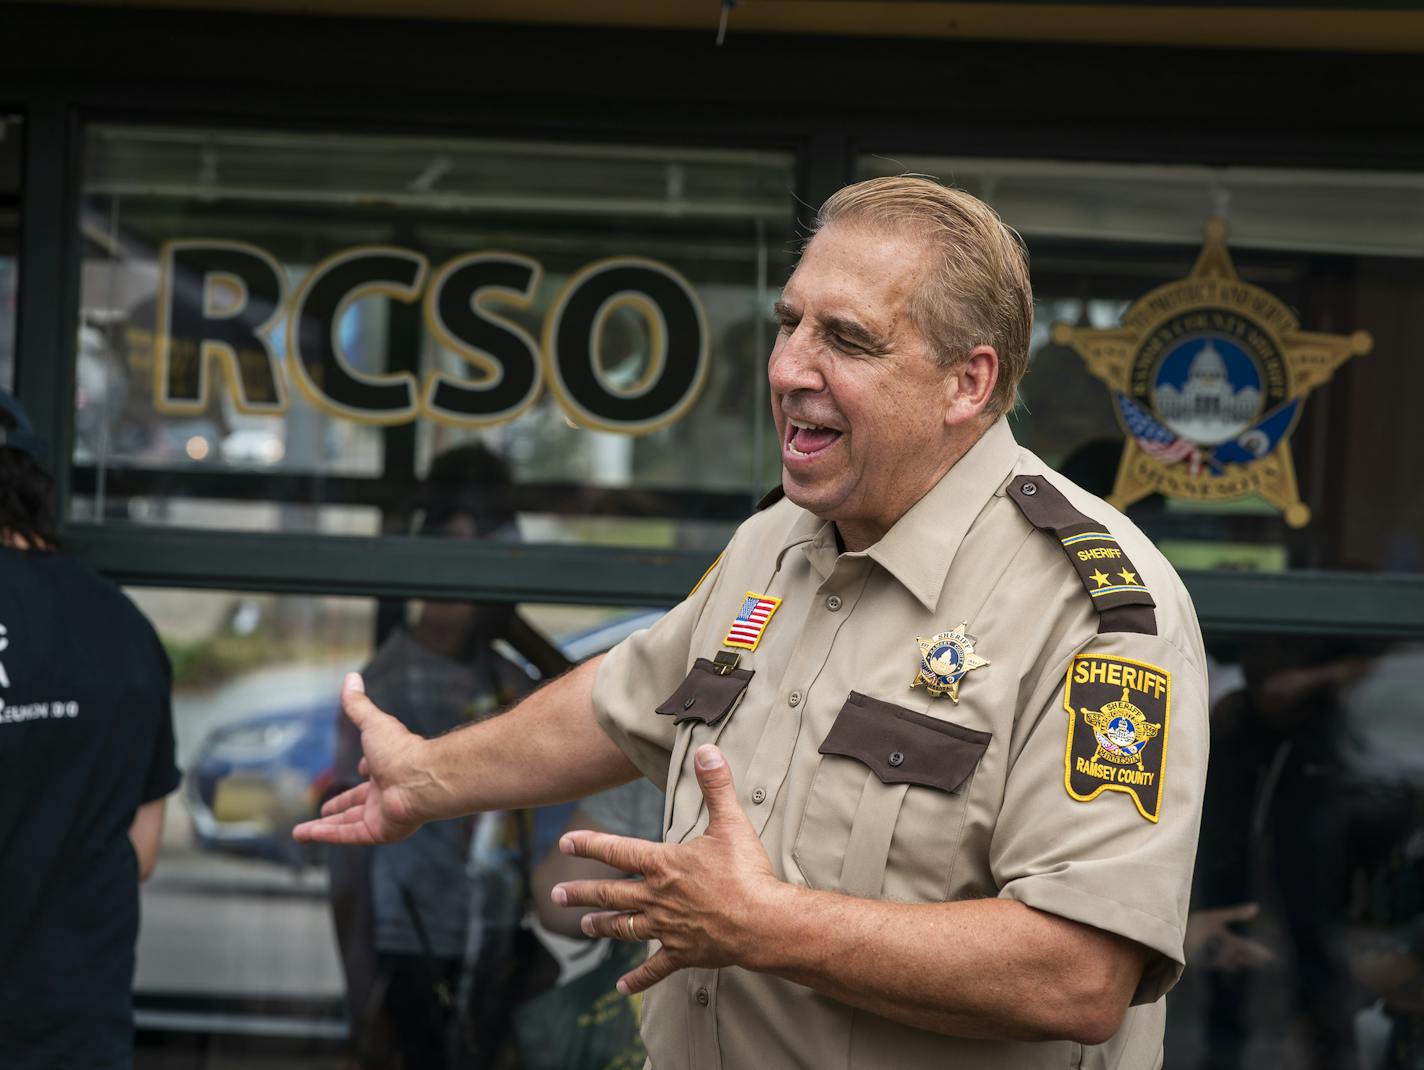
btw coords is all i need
(282, 330)
(1290, 453)
(1305, 944)
(11, 131)
(235, 917)
(285, 951)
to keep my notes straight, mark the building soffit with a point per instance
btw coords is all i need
(1321, 25)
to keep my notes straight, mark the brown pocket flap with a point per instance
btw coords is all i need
(904, 747)
(706, 695)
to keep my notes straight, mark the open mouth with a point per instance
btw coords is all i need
(807, 439)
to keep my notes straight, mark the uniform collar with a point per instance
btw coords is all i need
(919, 549)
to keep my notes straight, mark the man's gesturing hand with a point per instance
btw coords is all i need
(381, 810)
(703, 900)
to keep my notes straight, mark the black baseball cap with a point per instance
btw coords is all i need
(22, 437)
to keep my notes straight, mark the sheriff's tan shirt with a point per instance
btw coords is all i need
(991, 799)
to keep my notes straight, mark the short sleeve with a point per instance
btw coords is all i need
(163, 774)
(1103, 801)
(643, 670)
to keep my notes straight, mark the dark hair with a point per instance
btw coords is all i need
(26, 495)
(470, 481)
(467, 480)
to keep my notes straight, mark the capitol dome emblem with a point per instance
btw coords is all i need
(1208, 375)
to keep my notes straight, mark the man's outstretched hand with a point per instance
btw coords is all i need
(383, 809)
(706, 901)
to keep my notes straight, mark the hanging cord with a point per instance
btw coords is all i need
(727, 6)
(439, 985)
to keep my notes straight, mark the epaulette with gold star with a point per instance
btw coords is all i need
(1123, 603)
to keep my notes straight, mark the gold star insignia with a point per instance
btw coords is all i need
(1214, 305)
(1101, 577)
(1128, 577)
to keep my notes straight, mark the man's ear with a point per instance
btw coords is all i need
(969, 385)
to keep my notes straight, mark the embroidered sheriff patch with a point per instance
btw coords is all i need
(1118, 713)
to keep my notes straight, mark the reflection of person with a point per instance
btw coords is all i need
(1213, 944)
(1278, 776)
(86, 759)
(404, 910)
(536, 992)
(897, 877)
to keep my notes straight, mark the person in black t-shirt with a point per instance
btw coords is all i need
(86, 758)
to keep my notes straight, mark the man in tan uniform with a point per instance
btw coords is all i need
(958, 708)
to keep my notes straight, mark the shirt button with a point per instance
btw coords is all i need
(833, 603)
(759, 795)
(896, 758)
(794, 699)
(702, 997)
(1029, 489)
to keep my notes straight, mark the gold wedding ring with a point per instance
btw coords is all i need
(632, 932)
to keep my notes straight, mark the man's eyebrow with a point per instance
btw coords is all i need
(855, 333)
(852, 331)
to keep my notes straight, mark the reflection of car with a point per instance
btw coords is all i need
(253, 779)
(582, 645)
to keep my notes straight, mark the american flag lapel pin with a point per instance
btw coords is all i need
(746, 631)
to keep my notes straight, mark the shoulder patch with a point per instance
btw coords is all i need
(1118, 715)
(771, 497)
(1123, 603)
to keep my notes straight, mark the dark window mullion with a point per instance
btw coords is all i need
(1237, 602)
(388, 567)
(47, 301)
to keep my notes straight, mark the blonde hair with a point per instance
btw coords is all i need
(978, 291)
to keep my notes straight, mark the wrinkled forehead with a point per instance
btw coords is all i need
(859, 268)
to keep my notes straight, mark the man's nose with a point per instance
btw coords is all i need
(795, 364)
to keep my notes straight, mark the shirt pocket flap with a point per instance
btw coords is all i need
(901, 746)
(706, 695)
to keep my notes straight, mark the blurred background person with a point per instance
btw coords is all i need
(86, 760)
(1279, 832)
(453, 954)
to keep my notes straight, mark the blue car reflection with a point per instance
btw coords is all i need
(251, 781)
